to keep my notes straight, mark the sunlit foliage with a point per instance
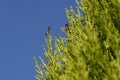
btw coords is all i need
(91, 50)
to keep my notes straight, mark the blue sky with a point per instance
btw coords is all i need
(22, 33)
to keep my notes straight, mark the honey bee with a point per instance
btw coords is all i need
(47, 31)
(67, 28)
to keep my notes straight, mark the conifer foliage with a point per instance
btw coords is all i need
(91, 50)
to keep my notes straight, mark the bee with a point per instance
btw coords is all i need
(67, 28)
(47, 31)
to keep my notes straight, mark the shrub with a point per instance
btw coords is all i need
(91, 50)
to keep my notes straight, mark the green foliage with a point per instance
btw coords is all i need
(91, 50)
